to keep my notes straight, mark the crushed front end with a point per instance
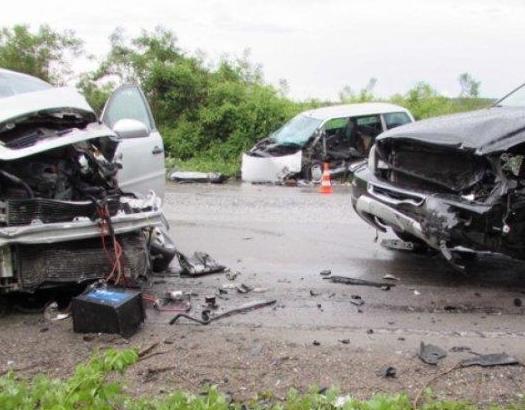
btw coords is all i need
(63, 218)
(450, 196)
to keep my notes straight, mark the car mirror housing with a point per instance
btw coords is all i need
(129, 128)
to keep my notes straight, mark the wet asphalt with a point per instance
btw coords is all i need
(281, 238)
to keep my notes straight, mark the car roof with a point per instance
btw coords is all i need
(353, 110)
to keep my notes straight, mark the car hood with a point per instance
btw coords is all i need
(484, 131)
(65, 104)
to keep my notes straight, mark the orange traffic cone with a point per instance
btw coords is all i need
(326, 184)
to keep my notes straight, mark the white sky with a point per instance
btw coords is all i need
(319, 46)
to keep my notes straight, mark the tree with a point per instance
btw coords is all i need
(44, 53)
(366, 94)
(469, 86)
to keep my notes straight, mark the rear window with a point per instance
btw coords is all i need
(395, 119)
(13, 84)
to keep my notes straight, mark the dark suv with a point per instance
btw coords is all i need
(454, 183)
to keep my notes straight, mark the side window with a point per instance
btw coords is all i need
(395, 119)
(127, 102)
(369, 125)
(336, 126)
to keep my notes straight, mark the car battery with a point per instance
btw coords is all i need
(108, 310)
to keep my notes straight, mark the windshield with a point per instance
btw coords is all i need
(515, 99)
(296, 131)
(13, 83)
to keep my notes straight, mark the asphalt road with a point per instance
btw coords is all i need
(279, 239)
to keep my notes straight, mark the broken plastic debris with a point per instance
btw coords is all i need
(206, 177)
(52, 313)
(389, 276)
(386, 372)
(357, 282)
(242, 288)
(431, 354)
(199, 264)
(488, 360)
(397, 245)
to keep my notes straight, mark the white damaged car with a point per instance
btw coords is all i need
(80, 197)
(339, 135)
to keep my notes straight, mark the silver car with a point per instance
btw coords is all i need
(80, 196)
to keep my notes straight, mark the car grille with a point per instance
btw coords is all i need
(25, 211)
(78, 261)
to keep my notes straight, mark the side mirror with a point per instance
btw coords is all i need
(128, 128)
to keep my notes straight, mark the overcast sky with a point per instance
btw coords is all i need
(319, 46)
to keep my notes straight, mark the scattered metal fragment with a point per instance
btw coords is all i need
(242, 288)
(242, 309)
(356, 282)
(326, 272)
(397, 245)
(232, 275)
(489, 360)
(345, 341)
(389, 276)
(199, 264)
(387, 372)
(316, 343)
(198, 177)
(52, 313)
(314, 293)
(459, 349)
(357, 300)
(431, 354)
(211, 302)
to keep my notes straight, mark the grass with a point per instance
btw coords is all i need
(98, 384)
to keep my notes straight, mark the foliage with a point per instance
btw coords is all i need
(208, 114)
(45, 53)
(98, 385)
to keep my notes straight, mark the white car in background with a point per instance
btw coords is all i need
(339, 135)
(75, 188)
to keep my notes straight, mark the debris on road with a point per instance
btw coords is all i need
(417, 292)
(387, 372)
(197, 177)
(206, 318)
(211, 302)
(357, 282)
(389, 276)
(397, 245)
(459, 349)
(52, 313)
(199, 264)
(517, 302)
(357, 300)
(345, 341)
(489, 360)
(326, 272)
(316, 343)
(431, 354)
(232, 275)
(314, 293)
(242, 288)
(108, 310)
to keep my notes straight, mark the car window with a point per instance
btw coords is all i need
(371, 124)
(127, 103)
(395, 119)
(336, 123)
(13, 84)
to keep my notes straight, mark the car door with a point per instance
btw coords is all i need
(142, 158)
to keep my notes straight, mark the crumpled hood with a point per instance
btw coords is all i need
(52, 99)
(484, 131)
(21, 107)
